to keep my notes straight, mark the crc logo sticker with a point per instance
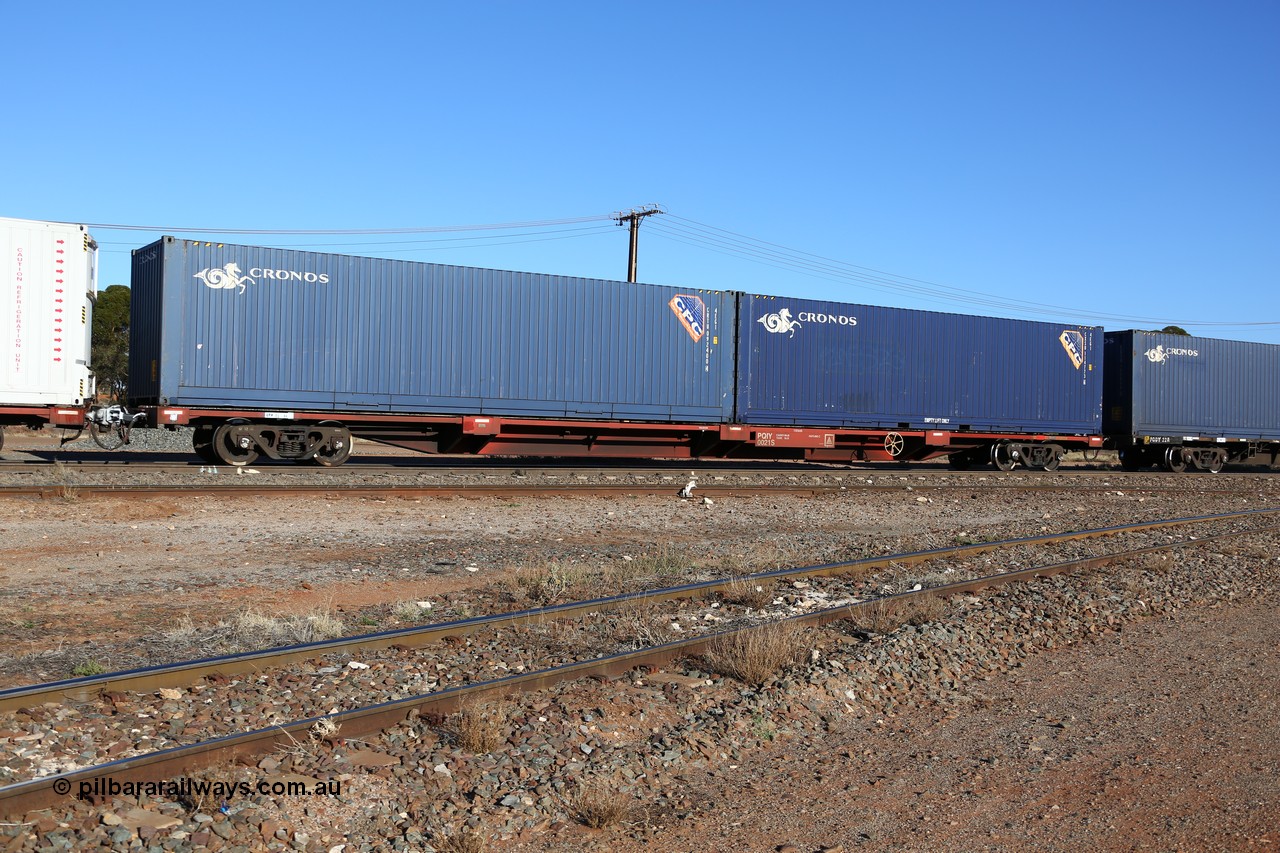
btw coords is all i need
(1159, 355)
(692, 314)
(1073, 342)
(224, 279)
(229, 277)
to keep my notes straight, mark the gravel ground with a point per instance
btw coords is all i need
(1126, 710)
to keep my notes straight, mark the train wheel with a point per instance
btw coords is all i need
(232, 449)
(1055, 458)
(1217, 462)
(893, 444)
(1, 438)
(202, 444)
(336, 451)
(1002, 456)
(1174, 460)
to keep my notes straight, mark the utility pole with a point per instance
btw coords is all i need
(633, 218)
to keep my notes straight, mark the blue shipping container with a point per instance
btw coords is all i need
(863, 366)
(219, 325)
(1181, 386)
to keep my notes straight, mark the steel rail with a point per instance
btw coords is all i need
(152, 678)
(49, 791)
(424, 490)
(63, 490)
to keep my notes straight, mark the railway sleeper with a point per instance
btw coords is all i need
(240, 443)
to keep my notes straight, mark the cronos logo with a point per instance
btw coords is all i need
(229, 277)
(226, 278)
(1160, 355)
(781, 323)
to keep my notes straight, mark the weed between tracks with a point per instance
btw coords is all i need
(66, 491)
(748, 593)
(641, 623)
(755, 656)
(889, 614)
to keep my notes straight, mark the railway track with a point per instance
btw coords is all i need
(812, 595)
(604, 484)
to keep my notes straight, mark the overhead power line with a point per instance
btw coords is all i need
(702, 236)
(350, 231)
(722, 241)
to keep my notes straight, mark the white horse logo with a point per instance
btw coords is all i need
(780, 323)
(225, 278)
(1157, 355)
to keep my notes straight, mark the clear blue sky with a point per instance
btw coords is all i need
(1109, 162)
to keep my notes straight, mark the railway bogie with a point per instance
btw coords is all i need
(1192, 455)
(238, 442)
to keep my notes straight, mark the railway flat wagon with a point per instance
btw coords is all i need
(288, 353)
(48, 281)
(908, 384)
(1177, 401)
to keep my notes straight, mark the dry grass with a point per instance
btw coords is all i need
(745, 592)
(557, 582)
(666, 562)
(550, 584)
(66, 491)
(251, 629)
(562, 636)
(183, 632)
(595, 804)
(754, 656)
(932, 579)
(762, 556)
(461, 841)
(410, 611)
(483, 726)
(887, 615)
(640, 623)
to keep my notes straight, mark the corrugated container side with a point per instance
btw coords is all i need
(863, 366)
(146, 321)
(1177, 385)
(48, 281)
(269, 328)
